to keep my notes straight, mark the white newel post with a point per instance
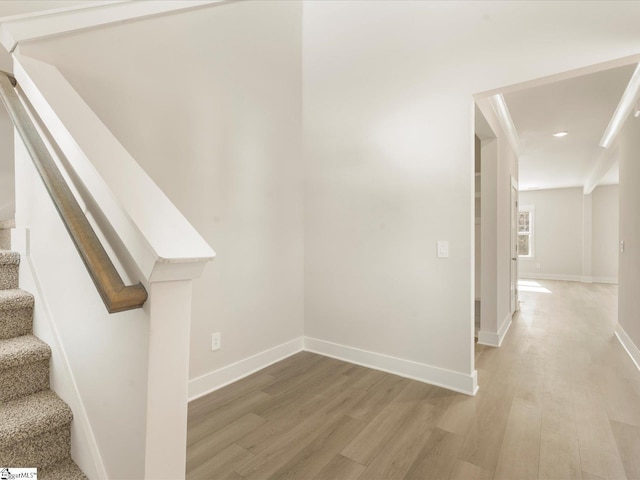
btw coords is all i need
(168, 377)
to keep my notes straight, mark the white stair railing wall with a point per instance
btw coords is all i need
(126, 373)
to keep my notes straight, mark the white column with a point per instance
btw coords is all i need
(167, 394)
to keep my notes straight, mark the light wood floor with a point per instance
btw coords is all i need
(559, 400)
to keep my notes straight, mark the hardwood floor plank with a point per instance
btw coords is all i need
(220, 466)
(342, 468)
(460, 415)
(520, 452)
(272, 456)
(598, 450)
(628, 441)
(319, 453)
(378, 398)
(200, 408)
(293, 409)
(620, 396)
(369, 379)
(468, 471)
(313, 375)
(223, 416)
(218, 440)
(484, 439)
(437, 458)
(402, 449)
(559, 456)
(591, 476)
(233, 476)
(281, 406)
(292, 365)
(558, 413)
(374, 436)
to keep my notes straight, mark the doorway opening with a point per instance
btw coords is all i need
(546, 187)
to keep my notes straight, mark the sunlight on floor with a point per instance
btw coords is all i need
(532, 286)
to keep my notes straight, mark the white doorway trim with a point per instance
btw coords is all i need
(514, 246)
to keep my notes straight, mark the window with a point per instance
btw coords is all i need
(525, 231)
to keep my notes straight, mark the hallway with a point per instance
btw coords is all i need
(567, 392)
(558, 400)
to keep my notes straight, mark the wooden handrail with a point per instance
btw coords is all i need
(116, 296)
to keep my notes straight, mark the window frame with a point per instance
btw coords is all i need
(531, 210)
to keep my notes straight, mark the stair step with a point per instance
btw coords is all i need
(65, 470)
(35, 431)
(9, 263)
(16, 313)
(19, 351)
(24, 367)
(5, 233)
(5, 239)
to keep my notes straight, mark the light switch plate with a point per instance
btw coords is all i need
(443, 249)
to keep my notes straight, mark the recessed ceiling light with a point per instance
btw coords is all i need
(560, 134)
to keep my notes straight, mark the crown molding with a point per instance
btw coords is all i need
(49, 23)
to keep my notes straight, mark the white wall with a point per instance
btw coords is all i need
(507, 169)
(7, 183)
(7, 180)
(389, 149)
(558, 234)
(477, 214)
(388, 109)
(7, 194)
(605, 233)
(488, 231)
(628, 298)
(209, 103)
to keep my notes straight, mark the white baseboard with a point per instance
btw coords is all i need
(456, 381)
(495, 339)
(84, 447)
(550, 276)
(629, 346)
(566, 278)
(212, 381)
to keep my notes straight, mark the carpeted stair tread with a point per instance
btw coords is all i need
(9, 269)
(21, 350)
(7, 257)
(32, 415)
(7, 224)
(5, 239)
(65, 470)
(14, 298)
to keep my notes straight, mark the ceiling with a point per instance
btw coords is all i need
(581, 106)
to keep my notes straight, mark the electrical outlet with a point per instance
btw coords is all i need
(216, 341)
